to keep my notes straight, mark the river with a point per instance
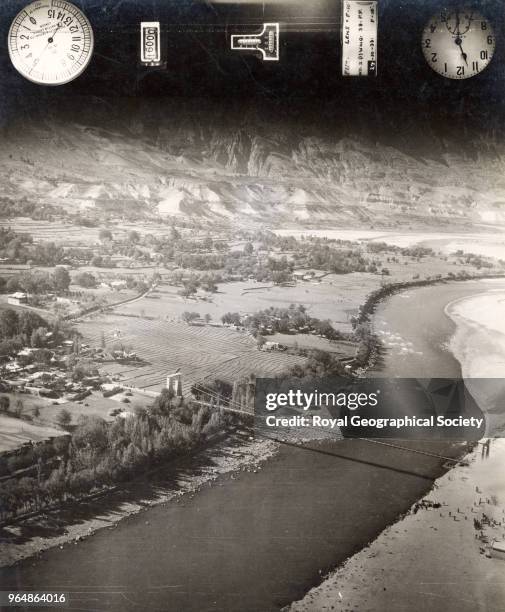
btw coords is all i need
(257, 541)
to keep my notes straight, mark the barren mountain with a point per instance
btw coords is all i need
(251, 172)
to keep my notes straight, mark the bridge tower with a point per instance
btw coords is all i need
(174, 384)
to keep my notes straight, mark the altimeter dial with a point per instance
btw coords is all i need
(50, 42)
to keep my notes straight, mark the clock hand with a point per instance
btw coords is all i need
(459, 42)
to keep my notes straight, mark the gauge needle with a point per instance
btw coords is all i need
(49, 41)
(51, 38)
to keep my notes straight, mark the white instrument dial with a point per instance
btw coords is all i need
(459, 43)
(50, 42)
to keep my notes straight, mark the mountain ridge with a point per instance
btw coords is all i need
(250, 173)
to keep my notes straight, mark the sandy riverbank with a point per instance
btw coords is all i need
(434, 558)
(479, 341)
(479, 345)
(184, 476)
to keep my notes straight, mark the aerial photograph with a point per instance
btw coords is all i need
(213, 213)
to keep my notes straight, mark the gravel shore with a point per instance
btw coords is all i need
(182, 477)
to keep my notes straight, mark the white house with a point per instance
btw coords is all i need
(18, 299)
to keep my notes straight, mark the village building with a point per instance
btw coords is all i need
(18, 299)
(119, 284)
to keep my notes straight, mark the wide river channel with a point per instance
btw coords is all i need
(257, 541)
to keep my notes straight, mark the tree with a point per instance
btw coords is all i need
(188, 289)
(231, 318)
(140, 411)
(280, 277)
(326, 329)
(19, 408)
(248, 248)
(28, 321)
(9, 323)
(11, 347)
(38, 337)
(4, 403)
(61, 279)
(12, 285)
(91, 431)
(134, 237)
(85, 279)
(162, 403)
(105, 235)
(209, 285)
(84, 369)
(64, 418)
(189, 317)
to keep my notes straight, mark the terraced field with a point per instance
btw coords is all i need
(201, 353)
(14, 433)
(66, 234)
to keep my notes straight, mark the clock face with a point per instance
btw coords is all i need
(50, 42)
(458, 44)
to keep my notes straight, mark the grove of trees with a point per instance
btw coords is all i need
(100, 454)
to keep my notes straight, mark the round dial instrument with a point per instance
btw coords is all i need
(50, 42)
(458, 44)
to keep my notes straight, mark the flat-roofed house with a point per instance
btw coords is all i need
(18, 299)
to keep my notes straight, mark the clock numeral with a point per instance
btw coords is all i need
(73, 29)
(433, 28)
(445, 67)
(33, 20)
(460, 70)
(427, 43)
(483, 25)
(475, 66)
(489, 40)
(484, 55)
(434, 57)
(75, 48)
(76, 38)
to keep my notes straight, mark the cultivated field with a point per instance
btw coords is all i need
(335, 298)
(201, 353)
(67, 234)
(310, 342)
(14, 433)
